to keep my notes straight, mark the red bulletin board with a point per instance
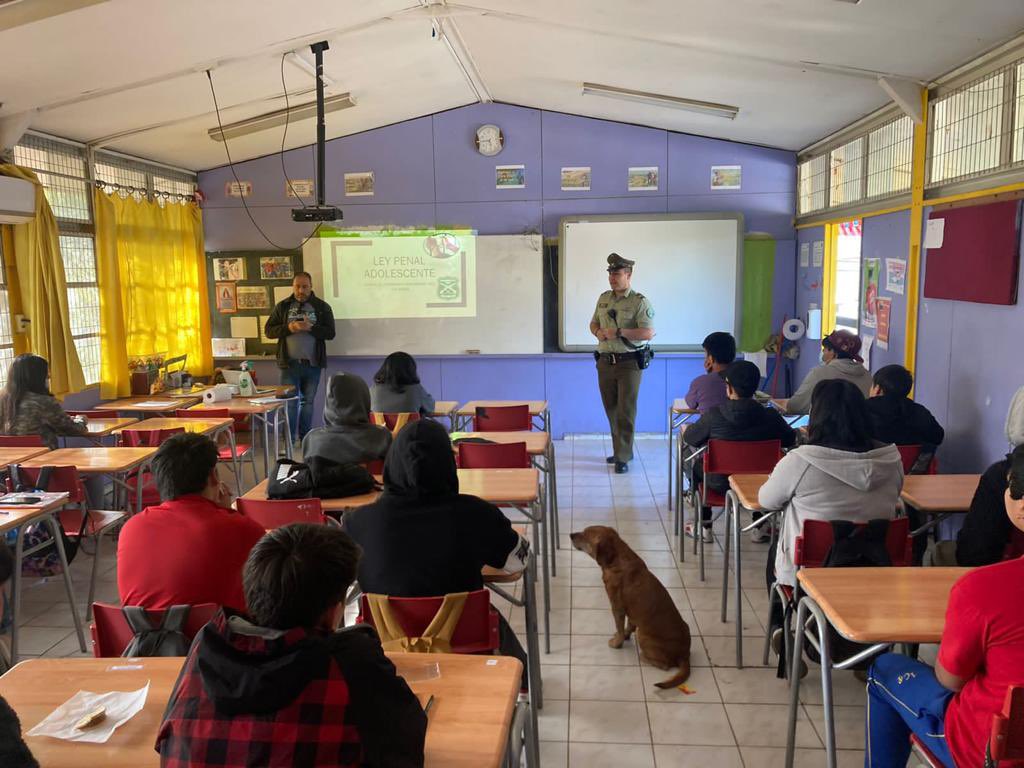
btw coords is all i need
(979, 256)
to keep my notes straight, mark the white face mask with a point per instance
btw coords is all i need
(821, 355)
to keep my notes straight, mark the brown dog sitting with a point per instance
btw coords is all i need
(639, 603)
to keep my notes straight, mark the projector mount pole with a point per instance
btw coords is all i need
(321, 126)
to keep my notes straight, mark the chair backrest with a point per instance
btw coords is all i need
(477, 629)
(909, 454)
(241, 419)
(147, 438)
(813, 544)
(274, 513)
(95, 414)
(503, 418)
(1007, 742)
(493, 456)
(393, 421)
(733, 457)
(111, 633)
(63, 479)
(21, 441)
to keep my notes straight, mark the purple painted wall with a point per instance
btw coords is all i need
(428, 173)
(968, 368)
(888, 237)
(808, 291)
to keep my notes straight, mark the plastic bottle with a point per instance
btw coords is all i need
(246, 387)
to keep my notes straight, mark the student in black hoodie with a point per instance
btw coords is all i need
(279, 686)
(897, 419)
(347, 436)
(739, 418)
(422, 538)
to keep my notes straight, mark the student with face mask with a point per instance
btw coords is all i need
(708, 390)
(840, 357)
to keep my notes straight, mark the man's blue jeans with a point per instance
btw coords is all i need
(904, 697)
(306, 380)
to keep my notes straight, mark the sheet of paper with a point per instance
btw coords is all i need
(895, 275)
(805, 254)
(934, 233)
(156, 404)
(865, 349)
(814, 324)
(818, 253)
(281, 292)
(760, 359)
(120, 707)
(244, 327)
(229, 347)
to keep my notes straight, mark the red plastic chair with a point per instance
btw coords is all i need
(21, 441)
(145, 438)
(242, 450)
(477, 631)
(493, 456)
(503, 418)
(111, 633)
(909, 454)
(275, 513)
(96, 414)
(393, 421)
(1005, 747)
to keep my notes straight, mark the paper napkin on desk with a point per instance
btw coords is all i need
(120, 706)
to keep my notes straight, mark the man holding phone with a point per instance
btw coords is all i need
(623, 324)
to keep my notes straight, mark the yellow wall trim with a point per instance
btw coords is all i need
(993, 192)
(853, 216)
(917, 204)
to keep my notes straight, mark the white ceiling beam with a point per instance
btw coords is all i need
(906, 94)
(447, 31)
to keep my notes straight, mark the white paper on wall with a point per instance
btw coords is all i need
(244, 327)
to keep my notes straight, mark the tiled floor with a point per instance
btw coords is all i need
(601, 707)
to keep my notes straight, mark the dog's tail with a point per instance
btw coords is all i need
(681, 676)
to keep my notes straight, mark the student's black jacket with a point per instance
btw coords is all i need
(745, 420)
(901, 421)
(987, 529)
(323, 329)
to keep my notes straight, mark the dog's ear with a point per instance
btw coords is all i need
(605, 552)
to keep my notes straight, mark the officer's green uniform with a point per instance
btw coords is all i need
(618, 374)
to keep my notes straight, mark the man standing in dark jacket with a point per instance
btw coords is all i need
(897, 419)
(302, 325)
(739, 418)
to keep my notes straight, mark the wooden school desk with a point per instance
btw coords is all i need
(679, 415)
(116, 463)
(938, 496)
(150, 405)
(262, 409)
(12, 517)
(100, 428)
(880, 607)
(445, 409)
(468, 723)
(18, 455)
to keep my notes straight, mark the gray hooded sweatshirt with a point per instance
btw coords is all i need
(348, 436)
(816, 483)
(840, 368)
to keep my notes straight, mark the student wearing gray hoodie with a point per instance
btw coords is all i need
(347, 436)
(840, 474)
(840, 355)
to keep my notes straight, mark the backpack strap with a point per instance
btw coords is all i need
(137, 619)
(436, 637)
(842, 529)
(43, 481)
(175, 618)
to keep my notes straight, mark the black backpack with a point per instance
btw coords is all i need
(166, 640)
(290, 480)
(44, 561)
(335, 480)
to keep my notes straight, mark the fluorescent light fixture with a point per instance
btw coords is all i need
(277, 118)
(661, 100)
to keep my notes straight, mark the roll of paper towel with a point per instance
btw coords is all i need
(217, 394)
(793, 329)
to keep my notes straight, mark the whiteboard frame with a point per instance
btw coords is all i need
(642, 217)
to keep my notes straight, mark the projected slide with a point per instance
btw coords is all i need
(408, 274)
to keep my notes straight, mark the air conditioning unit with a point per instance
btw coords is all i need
(17, 200)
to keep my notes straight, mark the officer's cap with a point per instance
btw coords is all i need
(616, 262)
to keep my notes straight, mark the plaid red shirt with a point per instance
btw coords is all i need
(315, 728)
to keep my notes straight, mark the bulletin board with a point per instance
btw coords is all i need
(974, 253)
(244, 286)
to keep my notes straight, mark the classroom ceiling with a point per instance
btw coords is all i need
(130, 74)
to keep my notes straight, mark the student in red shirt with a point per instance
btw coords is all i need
(950, 708)
(191, 548)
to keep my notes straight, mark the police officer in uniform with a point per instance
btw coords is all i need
(623, 324)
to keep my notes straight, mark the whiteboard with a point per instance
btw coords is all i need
(509, 300)
(687, 264)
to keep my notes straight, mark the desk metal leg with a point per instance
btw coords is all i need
(680, 507)
(553, 488)
(51, 523)
(287, 431)
(235, 463)
(670, 467)
(538, 519)
(737, 564)
(16, 584)
(725, 552)
(807, 607)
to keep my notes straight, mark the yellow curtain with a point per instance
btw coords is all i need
(43, 291)
(152, 276)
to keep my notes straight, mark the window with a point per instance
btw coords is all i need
(813, 179)
(847, 164)
(966, 129)
(6, 336)
(1018, 116)
(890, 153)
(848, 269)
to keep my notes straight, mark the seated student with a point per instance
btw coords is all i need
(13, 751)
(190, 549)
(897, 419)
(840, 357)
(280, 685)
(422, 538)
(951, 707)
(397, 389)
(840, 474)
(347, 436)
(738, 418)
(708, 389)
(986, 532)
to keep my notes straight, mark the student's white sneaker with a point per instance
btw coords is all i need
(705, 533)
(762, 534)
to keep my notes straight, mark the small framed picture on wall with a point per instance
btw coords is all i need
(227, 298)
(230, 268)
(276, 268)
(253, 297)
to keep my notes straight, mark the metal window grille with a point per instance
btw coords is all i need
(968, 126)
(890, 156)
(1018, 115)
(813, 176)
(123, 175)
(173, 185)
(847, 173)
